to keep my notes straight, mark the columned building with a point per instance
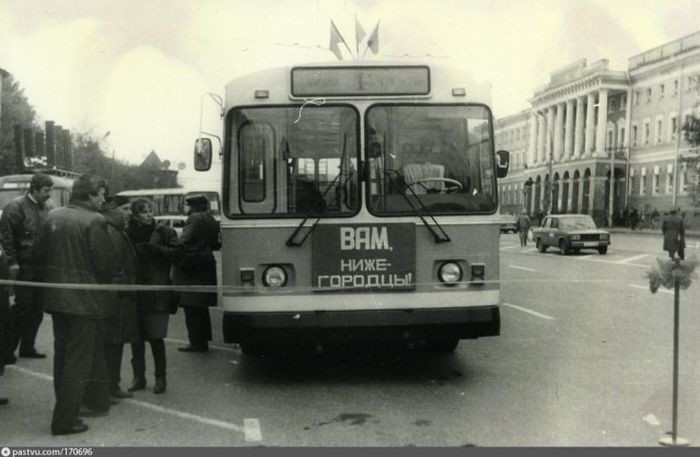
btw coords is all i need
(577, 134)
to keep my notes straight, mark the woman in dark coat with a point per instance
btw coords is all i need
(123, 327)
(198, 267)
(156, 248)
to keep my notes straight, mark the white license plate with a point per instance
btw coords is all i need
(588, 244)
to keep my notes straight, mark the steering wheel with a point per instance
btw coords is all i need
(456, 185)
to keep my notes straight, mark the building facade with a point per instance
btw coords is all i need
(588, 120)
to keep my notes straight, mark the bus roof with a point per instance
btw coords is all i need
(278, 83)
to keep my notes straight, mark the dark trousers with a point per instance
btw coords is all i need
(138, 358)
(79, 368)
(26, 314)
(5, 329)
(523, 238)
(113, 354)
(198, 325)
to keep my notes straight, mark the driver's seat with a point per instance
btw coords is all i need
(415, 172)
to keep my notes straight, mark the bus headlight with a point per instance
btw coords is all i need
(450, 273)
(274, 276)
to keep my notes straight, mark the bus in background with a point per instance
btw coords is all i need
(359, 204)
(13, 186)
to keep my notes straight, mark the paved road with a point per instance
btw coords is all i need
(584, 359)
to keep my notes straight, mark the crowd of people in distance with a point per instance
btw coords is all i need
(107, 240)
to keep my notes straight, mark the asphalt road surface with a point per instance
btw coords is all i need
(584, 359)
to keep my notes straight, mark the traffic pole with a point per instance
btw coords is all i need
(673, 439)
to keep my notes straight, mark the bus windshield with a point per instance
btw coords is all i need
(438, 156)
(294, 160)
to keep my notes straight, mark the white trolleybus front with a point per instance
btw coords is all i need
(360, 204)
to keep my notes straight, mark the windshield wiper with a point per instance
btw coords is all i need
(320, 198)
(441, 237)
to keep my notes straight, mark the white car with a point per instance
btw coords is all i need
(176, 222)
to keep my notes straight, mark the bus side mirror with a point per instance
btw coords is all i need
(202, 154)
(503, 163)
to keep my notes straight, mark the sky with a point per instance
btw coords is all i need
(139, 69)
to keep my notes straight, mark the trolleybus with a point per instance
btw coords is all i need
(171, 201)
(359, 204)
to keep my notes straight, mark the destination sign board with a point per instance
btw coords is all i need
(364, 257)
(360, 81)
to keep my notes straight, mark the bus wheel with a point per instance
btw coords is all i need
(445, 345)
(540, 245)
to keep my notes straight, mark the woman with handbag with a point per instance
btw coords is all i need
(156, 248)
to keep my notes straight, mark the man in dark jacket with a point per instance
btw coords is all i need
(4, 317)
(198, 267)
(20, 226)
(674, 234)
(76, 249)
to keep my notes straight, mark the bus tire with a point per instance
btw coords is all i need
(445, 345)
(540, 245)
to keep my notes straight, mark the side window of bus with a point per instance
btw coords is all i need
(256, 141)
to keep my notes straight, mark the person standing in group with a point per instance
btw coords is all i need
(674, 234)
(156, 249)
(4, 317)
(76, 249)
(123, 327)
(523, 226)
(198, 267)
(20, 226)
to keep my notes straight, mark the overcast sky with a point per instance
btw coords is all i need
(138, 69)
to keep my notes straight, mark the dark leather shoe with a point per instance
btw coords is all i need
(159, 386)
(80, 427)
(193, 348)
(4, 401)
(93, 413)
(121, 394)
(32, 355)
(137, 384)
(11, 360)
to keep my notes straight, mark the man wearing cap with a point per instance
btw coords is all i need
(20, 227)
(674, 234)
(198, 267)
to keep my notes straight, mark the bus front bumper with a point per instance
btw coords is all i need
(361, 325)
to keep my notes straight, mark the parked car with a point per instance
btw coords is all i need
(509, 223)
(570, 233)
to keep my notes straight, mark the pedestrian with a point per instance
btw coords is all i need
(20, 227)
(156, 249)
(681, 245)
(654, 219)
(523, 226)
(76, 249)
(197, 266)
(4, 317)
(674, 234)
(123, 327)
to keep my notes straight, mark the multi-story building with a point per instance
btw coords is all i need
(589, 120)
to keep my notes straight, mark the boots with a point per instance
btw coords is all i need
(160, 385)
(138, 383)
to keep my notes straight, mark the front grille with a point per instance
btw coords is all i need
(589, 237)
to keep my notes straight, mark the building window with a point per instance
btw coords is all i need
(655, 183)
(631, 188)
(669, 182)
(675, 87)
(642, 185)
(623, 102)
(674, 127)
(634, 135)
(636, 97)
(649, 95)
(662, 89)
(658, 131)
(684, 181)
(647, 133)
(609, 141)
(621, 140)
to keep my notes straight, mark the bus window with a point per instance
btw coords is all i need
(293, 160)
(439, 155)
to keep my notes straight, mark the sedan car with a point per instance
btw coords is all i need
(509, 223)
(570, 233)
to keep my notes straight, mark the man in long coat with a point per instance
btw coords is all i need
(523, 226)
(198, 267)
(674, 234)
(77, 249)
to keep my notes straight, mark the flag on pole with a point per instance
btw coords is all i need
(373, 41)
(336, 39)
(359, 35)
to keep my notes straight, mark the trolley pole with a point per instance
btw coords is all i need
(673, 439)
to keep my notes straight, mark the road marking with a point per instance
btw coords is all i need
(594, 258)
(517, 267)
(629, 259)
(250, 429)
(663, 291)
(529, 311)
(214, 346)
